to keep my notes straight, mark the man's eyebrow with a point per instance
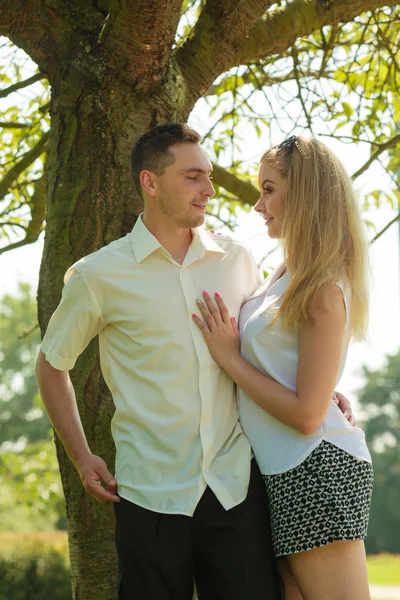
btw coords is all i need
(196, 170)
(266, 181)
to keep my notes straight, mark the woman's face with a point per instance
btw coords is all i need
(270, 204)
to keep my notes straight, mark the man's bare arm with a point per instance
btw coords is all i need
(58, 397)
(345, 407)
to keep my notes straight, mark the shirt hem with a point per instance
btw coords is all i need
(364, 457)
(56, 361)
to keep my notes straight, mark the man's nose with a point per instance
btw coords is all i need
(209, 190)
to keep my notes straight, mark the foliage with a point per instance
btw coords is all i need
(346, 77)
(31, 496)
(21, 412)
(380, 401)
(23, 144)
(338, 81)
(34, 567)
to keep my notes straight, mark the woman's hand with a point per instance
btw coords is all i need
(219, 329)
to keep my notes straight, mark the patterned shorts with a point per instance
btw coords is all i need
(325, 499)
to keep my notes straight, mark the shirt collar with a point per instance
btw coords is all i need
(144, 243)
(203, 240)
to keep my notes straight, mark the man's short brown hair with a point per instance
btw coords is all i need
(151, 151)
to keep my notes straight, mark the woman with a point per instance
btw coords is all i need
(294, 334)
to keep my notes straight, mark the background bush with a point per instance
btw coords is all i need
(34, 567)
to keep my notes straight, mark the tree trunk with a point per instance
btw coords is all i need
(91, 202)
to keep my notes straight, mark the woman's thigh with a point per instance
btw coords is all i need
(337, 571)
(292, 591)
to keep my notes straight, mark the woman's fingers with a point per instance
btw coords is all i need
(234, 325)
(202, 326)
(224, 312)
(212, 307)
(208, 317)
(215, 311)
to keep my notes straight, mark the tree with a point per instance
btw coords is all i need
(117, 68)
(380, 399)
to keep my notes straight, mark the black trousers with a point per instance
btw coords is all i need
(227, 553)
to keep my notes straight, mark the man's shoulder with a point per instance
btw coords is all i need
(106, 258)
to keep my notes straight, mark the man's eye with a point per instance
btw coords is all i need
(193, 178)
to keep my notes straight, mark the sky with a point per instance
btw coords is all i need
(22, 264)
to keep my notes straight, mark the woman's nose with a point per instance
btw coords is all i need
(258, 207)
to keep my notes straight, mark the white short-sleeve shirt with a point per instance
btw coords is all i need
(175, 425)
(274, 351)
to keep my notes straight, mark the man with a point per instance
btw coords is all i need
(191, 502)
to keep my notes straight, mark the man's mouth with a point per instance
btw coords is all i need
(201, 206)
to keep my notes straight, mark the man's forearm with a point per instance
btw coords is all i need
(58, 397)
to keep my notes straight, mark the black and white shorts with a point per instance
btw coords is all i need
(325, 499)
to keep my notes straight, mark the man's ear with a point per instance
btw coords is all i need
(147, 181)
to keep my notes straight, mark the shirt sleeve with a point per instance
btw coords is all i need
(76, 321)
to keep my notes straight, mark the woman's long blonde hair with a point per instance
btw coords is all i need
(322, 231)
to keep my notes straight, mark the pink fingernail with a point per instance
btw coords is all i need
(205, 293)
(234, 320)
(194, 316)
(216, 294)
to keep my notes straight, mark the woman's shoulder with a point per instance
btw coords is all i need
(331, 305)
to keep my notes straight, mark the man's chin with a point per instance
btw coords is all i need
(194, 222)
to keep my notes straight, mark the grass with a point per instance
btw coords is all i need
(14, 543)
(384, 569)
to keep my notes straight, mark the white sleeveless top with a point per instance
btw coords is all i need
(272, 350)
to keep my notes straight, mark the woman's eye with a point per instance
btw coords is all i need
(267, 190)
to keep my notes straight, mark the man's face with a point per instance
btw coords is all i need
(183, 190)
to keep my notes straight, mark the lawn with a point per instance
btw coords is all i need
(384, 569)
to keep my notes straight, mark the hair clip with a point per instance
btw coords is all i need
(289, 142)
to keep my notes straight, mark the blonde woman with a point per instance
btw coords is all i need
(294, 335)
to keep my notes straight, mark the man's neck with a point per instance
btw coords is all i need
(176, 240)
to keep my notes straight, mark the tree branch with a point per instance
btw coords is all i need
(14, 125)
(280, 28)
(211, 48)
(267, 80)
(23, 164)
(20, 85)
(138, 38)
(245, 191)
(43, 32)
(38, 213)
(382, 231)
(381, 148)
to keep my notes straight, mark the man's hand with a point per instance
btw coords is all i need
(345, 407)
(93, 470)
